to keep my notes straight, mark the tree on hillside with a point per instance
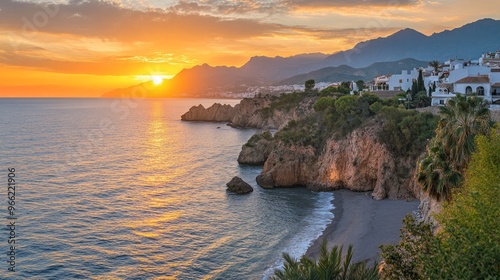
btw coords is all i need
(436, 176)
(414, 89)
(461, 120)
(309, 85)
(421, 100)
(448, 155)
(420, 82)
(360, 84)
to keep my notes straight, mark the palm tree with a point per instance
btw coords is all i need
(330, 266)
(449, 154)
(434, 64)
(436, 175)
(461, 120)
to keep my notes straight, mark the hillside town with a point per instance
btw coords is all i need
(443, 81)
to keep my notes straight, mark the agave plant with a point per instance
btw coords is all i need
(331, 265)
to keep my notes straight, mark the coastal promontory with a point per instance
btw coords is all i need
(329, 141)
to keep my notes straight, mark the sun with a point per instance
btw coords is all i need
(157, 80)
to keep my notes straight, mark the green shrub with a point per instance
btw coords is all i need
(323, 103)
(304, 132)
(257, 137)
(406, 132)
(470, 241)
(330, 265)
(348, 113)
(468, 244)
(405, 261)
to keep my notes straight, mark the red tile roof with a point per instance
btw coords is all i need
(474, 80)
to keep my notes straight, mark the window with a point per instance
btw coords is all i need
(468, 91)
(441, 102)
(480, 91)
(400, 81)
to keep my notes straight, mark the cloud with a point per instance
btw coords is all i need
(228, 7)
(350, 3)
(112, 37)
(109, 20)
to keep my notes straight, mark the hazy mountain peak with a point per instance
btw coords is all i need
(407, 32)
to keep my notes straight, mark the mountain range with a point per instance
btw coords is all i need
(366, 60)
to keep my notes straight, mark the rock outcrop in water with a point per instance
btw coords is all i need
(237, 185)
(259, 112)
(215, 113)
(359, 162)
(257, 149)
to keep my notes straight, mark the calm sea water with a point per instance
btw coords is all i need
(117, 189)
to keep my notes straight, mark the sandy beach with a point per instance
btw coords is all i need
(363, 222)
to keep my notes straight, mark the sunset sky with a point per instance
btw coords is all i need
(88, 47)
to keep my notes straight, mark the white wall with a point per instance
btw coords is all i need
(403, 81)
(469, 71)
(460, 88)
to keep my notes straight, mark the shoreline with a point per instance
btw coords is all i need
(363, 222)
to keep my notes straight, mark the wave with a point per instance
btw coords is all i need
(316, 224)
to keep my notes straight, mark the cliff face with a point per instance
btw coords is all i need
(251, 112)
(288, 167)
(359, 162)
(257, 149)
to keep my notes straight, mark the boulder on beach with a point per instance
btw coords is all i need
(237, 185)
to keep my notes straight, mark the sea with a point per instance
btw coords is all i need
(123, 189)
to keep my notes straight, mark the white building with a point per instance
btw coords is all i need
(402, 81)
(479, 85)
(480, 78)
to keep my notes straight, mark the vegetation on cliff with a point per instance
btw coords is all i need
(330, 265)
(266, 135)
(404, 132)
(468, 244)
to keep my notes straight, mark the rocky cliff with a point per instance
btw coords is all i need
(259, 112)
(359, 162)
(215, 113)
(257, 149)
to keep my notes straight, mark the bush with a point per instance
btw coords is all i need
(406, 133)
(323, 103)
(468, 246)
(257, 137)
(304, 132)
(404, 261)
(285, 102)
(348, 113)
